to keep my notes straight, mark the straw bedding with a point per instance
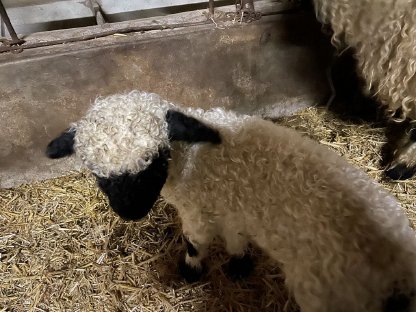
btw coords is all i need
(62, 249)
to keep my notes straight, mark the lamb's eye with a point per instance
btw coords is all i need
(165, 153)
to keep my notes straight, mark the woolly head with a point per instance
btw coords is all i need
(124, 139)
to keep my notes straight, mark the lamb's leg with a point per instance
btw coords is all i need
(403, 165)
(240, 264)
(191, 267)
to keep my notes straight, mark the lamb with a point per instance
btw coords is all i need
(382, 37)
(343, 242)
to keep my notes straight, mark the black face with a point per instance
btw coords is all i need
(132, 196)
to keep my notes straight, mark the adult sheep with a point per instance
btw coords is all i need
(382, 37)
(343, 242)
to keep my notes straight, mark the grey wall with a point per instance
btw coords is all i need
(261, 68)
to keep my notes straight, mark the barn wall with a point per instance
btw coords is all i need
(278, 62)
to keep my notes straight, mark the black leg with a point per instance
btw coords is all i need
(400, 151)
(240, 267)
(400, 172)
(191, 267)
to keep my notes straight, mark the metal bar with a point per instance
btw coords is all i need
(100, 35)
(5, 17)
(285, 9)
(211, 7)
(98, 12)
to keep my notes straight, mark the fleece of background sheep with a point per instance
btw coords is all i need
(63, 249)
(383, 34)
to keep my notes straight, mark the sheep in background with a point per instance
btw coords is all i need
(382, 35)
(343, 242)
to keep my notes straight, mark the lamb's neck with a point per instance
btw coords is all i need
(177, 167)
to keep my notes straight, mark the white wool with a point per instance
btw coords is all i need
(383, 36)
(121, 133)
(342, 240)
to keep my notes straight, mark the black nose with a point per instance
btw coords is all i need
(132, 196)
(131, 212)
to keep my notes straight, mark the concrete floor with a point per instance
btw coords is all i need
(267, 67)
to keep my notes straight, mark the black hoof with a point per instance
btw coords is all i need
(412, 134)
(400, 172)
(189, 273)
(240, 267)
(398, 303)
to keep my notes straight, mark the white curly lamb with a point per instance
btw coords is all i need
(343, 242)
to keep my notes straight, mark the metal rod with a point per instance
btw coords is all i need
(96, 9)
(132, 29)
(100, 35)
(211, 7)
(5, 17)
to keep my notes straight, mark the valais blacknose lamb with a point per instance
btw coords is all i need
(343, 242)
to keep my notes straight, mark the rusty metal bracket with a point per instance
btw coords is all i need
(245, 9)
(15, 39)
(244, 12)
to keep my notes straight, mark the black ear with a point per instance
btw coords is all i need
(61, 146)
(189, 129)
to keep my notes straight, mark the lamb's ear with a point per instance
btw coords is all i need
(189, 129)
(61, 146)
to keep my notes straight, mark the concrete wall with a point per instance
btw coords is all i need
(277, 63)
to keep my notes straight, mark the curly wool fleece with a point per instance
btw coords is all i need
(343, 242)
(122, 133)
(383, 36)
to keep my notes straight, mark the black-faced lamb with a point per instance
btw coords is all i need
(382, 36)
(343, 242)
